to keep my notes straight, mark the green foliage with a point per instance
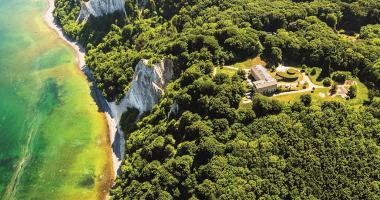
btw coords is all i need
(352, 91)
(306, 99)
(262, 105)
(200, 156)
(223, 32)
(211, 148)
(289, 75)
(327, 82)
(341, 77)
(334, 88)
(313, 72)
(332, 20)
(128, 120)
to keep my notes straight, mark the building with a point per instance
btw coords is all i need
(264, 83)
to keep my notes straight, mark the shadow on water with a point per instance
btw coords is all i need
(87, 180)
(104, 108)
(97, 96)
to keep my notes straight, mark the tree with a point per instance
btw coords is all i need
(341, 76)
(262, 105)
(371, 95)
(332, 20)
(313, 71)
(333, 88)
(306, 99)
(128, 120)
(327, 82)
(352, 91)
(276, 56)
(303, 67)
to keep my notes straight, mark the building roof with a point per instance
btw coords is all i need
(263, 76)
(263, 84)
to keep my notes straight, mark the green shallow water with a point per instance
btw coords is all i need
(54, 142)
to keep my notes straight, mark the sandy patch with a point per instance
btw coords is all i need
(322, 95)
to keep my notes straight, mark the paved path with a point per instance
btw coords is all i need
(310, 88)
(230, 67)
(306, 78)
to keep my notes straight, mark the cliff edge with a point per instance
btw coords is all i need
(99, 8)
(149, 83)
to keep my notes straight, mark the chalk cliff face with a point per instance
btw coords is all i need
(99, 8)
(148, 85)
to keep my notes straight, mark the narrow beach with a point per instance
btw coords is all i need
(116, 139)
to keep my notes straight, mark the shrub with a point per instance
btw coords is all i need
(313, 72)
(305, 85)
(128, 120)
(303, 68)
(334, 88)
(341, 76)
(352, 91)
(262, 106)
(306, 99)
(327, 82)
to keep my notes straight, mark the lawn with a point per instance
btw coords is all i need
(362, 96)
(314, 77)
(290, 98)
(224, 70)
(250, 63)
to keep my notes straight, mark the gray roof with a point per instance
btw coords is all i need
(265, 79)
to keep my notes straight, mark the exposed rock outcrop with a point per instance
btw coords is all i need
(174, 109)
(99, 8)
(149, 83)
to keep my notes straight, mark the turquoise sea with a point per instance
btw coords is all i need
(53, 142)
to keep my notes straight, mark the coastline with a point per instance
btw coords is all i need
(115, 136)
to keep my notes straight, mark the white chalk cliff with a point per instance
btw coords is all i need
(99, 8)
(149, 83)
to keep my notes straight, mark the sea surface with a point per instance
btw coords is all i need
(53, 140)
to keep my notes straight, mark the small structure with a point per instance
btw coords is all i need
(264, 83)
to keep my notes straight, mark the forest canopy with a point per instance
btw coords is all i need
(223, 32)
(211, 147)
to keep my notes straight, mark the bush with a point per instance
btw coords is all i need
(303, 68)
(305, 85)
(341, 76)
(262, 106)
(313, 72)
(327, 82)
(128, 120)
(306, 99)
(334, 88)
(352, 91)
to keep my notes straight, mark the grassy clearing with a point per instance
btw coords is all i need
(318, 98)
(362, 94)
(291, 98)
(314, 78)
(229, 72)
(250, 63)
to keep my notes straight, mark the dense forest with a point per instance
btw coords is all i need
(211, 148)
(225, 31)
